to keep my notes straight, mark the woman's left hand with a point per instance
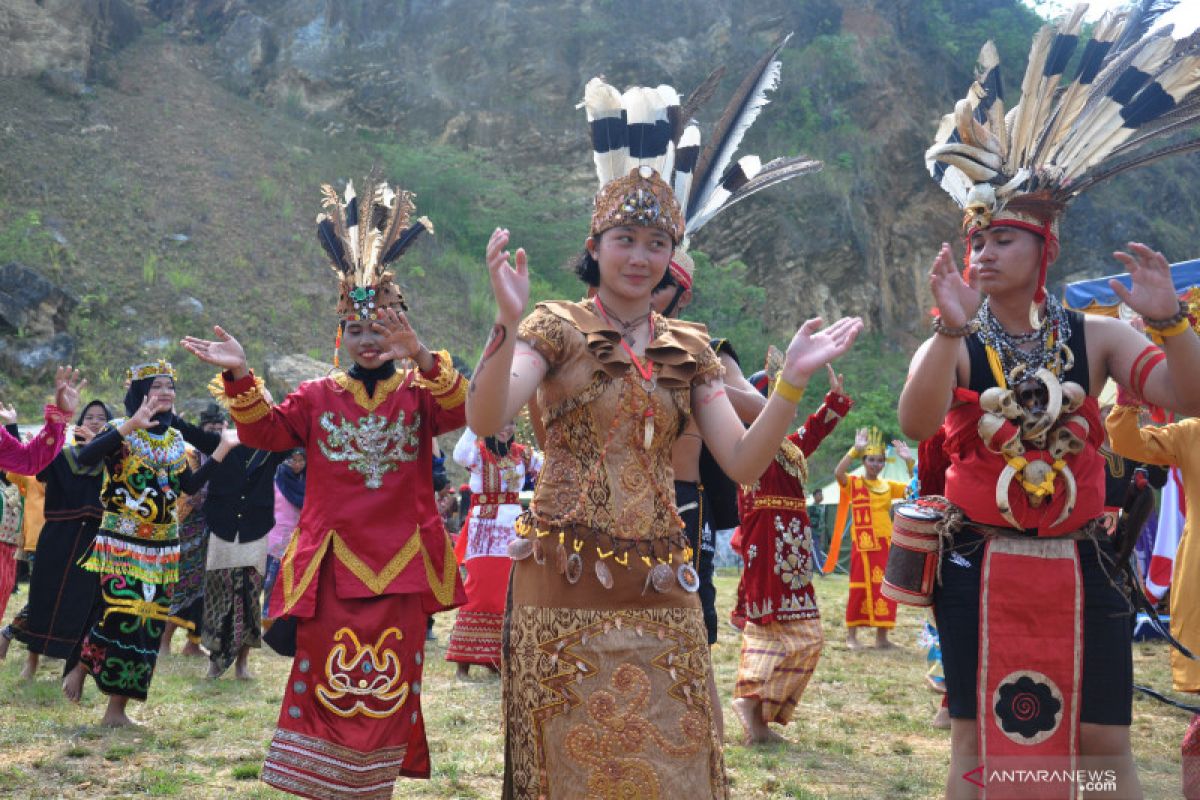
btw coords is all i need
(1153, 293)
(397, 334)
(902, 449)
(812, 347)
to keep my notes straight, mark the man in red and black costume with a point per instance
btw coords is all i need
(371, 559)
(1035, 632)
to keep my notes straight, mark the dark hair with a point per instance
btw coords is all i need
(497, 447)
(587, 269)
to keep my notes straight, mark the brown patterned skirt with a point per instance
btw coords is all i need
(606, 690)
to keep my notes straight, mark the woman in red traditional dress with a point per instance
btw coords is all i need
(497, 465)
(777, 604)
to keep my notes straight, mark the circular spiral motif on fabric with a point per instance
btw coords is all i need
(1028, 706)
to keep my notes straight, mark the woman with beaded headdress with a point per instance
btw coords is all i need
(606, 675)
(136, 550)
(370, 560)
(1035, 635)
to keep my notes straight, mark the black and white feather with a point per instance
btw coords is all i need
(1130, 86)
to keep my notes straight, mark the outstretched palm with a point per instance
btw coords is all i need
(67, 387)
(956, 300)
(1153, 292)
(225, 352)
(510, 284)
(811, 349)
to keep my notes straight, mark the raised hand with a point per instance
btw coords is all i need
(397, 333)
(67, 386)
(143, 418)
(902, 449)
(861, 437)
(8, 415)
(225, 352)
(510, 284)
(1153, 293)
(957, 301)
(83, 434)
(836, 380)
(811, 348)
(229, 440)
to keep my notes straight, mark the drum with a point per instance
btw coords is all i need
(913, 559)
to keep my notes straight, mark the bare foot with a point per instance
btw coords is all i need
(214, 671)
(5, 641)
(72, 685)
(30, 668)
(114, 713)
(941, 720)
(884, 644)
(242, 668)
(853, 643)
(462, 671)
(192, 650)
(117, 719)
(749, 713)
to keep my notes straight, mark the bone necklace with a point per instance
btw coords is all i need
(648, 382)
(1004, 349)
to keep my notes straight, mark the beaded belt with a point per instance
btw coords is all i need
(137, 529)
(660, 554)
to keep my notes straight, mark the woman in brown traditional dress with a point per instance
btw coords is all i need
(606, 674)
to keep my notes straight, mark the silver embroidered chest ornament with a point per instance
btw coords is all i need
(373, 446)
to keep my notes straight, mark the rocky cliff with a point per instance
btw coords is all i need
(215, 110)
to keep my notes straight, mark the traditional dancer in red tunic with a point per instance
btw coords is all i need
(782, 637)
(497, 466)
(370, 560)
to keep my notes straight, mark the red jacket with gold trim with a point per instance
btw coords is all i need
(369, 505)
(775, 537)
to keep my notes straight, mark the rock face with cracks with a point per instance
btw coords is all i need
(504, 77)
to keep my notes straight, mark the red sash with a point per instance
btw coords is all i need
(1030, 664)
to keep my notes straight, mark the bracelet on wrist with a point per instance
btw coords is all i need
(954, 333)
(788, 391)
(1168, 322)
(1157, 334)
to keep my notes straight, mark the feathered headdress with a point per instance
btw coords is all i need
(361, 236)
(1023, 167)
(652, 128)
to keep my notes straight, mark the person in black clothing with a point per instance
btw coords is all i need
(240, 511)
(61, 594)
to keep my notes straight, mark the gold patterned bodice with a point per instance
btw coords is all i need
(598, 472)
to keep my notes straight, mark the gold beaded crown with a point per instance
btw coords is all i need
(875, 444)
(151, 369)
(363, 235)
(640, 198)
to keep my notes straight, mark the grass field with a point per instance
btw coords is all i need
(862, 729)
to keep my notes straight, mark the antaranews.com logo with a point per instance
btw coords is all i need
(1084, 780)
